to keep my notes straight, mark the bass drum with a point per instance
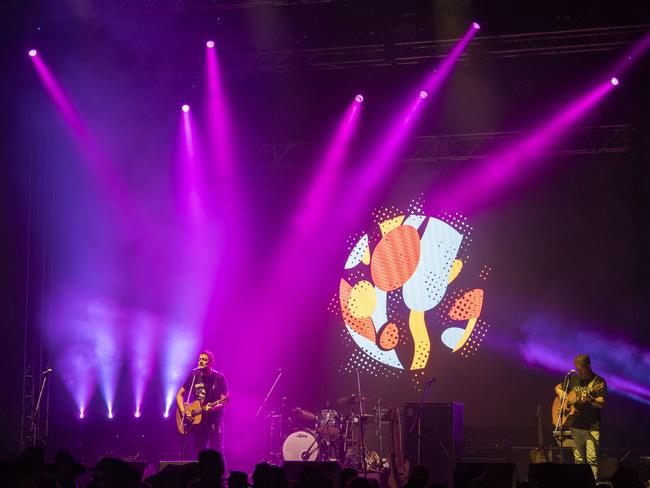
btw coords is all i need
(300, 446)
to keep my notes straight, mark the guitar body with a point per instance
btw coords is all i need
(562, 419)
(194, 415)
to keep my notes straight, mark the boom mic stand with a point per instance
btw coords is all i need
(418, 417)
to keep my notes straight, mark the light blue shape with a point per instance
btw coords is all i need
(438, 249)
(357, 253)
(451, 336)
(414, 220)
(388, 358)
(379, 315)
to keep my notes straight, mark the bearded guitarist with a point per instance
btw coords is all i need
(207, 387)
(584, 396)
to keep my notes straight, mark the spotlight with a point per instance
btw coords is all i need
(81, 414)
(476, 26)
(614, 81)
(185, 108)
(423, 94)
(110, 414)
(210, 44)
(136, 414)
(32, 52)
(359, 98)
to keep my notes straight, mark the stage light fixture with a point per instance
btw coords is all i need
(81, 414)
(359, 98)
(210, 44)
(614, 81)
(110, 414)
(185, 108)
(476, 26)
(32, 52)
(423, 94)
(166, 415)
(136, 414)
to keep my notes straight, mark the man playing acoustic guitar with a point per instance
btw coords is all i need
(585, 396)
(201, 413)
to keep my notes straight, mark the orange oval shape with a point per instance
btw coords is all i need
(389, 337)
(395, 258)
(468, 306)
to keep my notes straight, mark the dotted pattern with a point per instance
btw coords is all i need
(475, 339)
(484, 273)
(396, 334)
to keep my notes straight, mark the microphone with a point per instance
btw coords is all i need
(197, 368)
(573, 371)
(432, 380)
(48, 371)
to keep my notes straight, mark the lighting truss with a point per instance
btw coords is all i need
(606, 139)
(488, 47)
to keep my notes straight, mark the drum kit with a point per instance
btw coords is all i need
(328, 435)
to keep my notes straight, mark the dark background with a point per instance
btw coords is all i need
(569, 243)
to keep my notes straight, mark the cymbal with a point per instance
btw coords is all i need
(346, 400)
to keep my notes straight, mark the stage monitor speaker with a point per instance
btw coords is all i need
(441, 437)
(328, 469)
(552, 475)
(163, 464)
(485, 475)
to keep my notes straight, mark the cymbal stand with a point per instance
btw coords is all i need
(379, 433)
(362, 437)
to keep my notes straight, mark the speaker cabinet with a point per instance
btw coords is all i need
(328, 469)
(551, 475)
(441, 437)
(486, 475)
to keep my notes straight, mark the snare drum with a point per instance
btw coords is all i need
(328, 422)
(300, 446)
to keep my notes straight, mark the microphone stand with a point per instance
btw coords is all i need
(559, 431)
(418, 417)
(187, 401)
(277, 378)
(38, 404)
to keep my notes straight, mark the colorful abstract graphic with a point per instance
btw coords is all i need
(399, 291)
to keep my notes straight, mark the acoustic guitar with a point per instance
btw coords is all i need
(194, 414)
(562, 419)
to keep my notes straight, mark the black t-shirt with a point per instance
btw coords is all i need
(208, 387)
(587, 416)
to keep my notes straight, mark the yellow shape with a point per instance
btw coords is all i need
(362, 300)
(468, 331)
(366, 256)
(455, 270)
(387, 225)
(421, 340)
